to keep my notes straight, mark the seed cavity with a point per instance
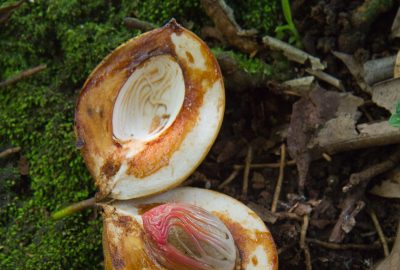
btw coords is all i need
(150, 100)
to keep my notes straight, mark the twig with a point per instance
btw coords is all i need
(229, 179)
(288, 215)
(74, 208)
(9, 151)
(369, 173)
(24, 74)
(335, 246)
(265, 165)
(134, 23)
(303, 244)
(327, 157)
(347, 215)
(381, 235)
(222, 16)
(280, 179)
(246, 172)
(292, 53)
(326, 78)
(269, 217)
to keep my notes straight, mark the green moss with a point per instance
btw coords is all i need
(257, 14)
(252, 66)
(161, 11)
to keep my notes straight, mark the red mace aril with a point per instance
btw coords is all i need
(183, 236)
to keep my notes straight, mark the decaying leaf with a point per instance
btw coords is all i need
(396, 26)
(325, 122)
(386, 94)
(315, 119)
(390, 187)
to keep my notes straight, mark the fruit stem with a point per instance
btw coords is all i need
(73, 208)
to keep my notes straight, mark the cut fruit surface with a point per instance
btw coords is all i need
(149, 113)
(125, 242)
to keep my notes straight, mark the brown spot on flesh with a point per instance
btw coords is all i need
(189, 56)
(143, 208)
(246, 243)
(110, 168)
(254, 260)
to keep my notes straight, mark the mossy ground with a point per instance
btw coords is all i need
(70, 37)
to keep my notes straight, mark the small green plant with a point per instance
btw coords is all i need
(294, 37)
(394, 120)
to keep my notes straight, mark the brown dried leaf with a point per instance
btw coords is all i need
(389, 188)
(315, 119)
(386, 94)
(396, 26)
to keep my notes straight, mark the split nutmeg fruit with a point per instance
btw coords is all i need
(145, 119)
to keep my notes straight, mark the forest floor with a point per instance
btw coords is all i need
(312, 121)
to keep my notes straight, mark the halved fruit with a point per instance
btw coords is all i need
(127, 244)
(149, 113)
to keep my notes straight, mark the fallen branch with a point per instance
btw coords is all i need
(292, 53)
(371, 172)
(24, 74)
(369, 135)
(9, 151)
(222, 16)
